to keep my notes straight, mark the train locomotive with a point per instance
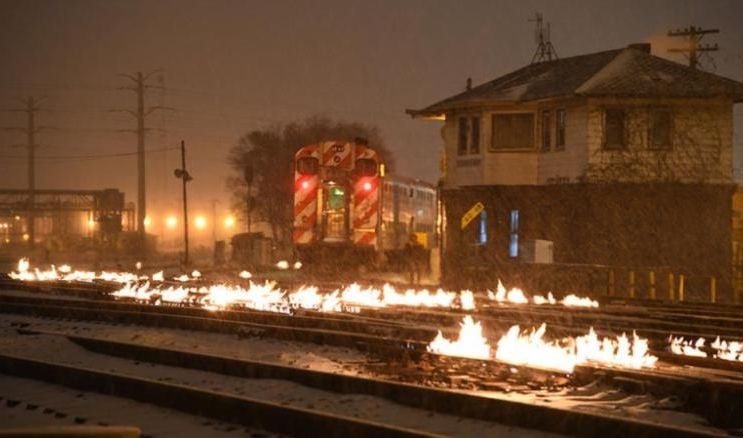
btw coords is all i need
(348, 211)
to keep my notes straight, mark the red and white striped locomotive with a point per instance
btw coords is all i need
(345, 206)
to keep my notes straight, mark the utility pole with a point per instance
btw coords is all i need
(214, 222)
(693, 48)
(182, 173)
(30, 107)
(140, 87)
(545, 50)
(248, 176)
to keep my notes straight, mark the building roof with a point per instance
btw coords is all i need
(628, 72)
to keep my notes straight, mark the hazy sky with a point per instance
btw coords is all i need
(232, 66)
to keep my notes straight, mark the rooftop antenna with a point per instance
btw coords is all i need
(545, 50)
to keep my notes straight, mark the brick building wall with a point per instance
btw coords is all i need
(683, 228)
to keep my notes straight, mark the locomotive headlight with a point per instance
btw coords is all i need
(367, 186)
(305, 184)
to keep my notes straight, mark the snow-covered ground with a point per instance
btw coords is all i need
(59, 349)
(27, 403)
(594, 398)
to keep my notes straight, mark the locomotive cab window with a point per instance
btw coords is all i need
(366, 167)
(308, 166)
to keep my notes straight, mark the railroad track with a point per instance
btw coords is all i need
(269, 416)
(420, 324)
(386, 331)
(711, 395)
(243, 410)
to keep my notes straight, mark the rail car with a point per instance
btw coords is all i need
(348, 210)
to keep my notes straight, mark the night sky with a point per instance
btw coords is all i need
(233, 66)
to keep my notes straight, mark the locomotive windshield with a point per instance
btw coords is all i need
(308, 166)
(366, 167)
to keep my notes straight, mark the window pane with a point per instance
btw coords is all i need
(483, 234)
(308, 166)
(462, 141)
(366, 167)
(546, 134)
(560, 134)
(513, 246)
(475, 138)
(513, 131)
(514, 221)
(660, 129)
(614, 129)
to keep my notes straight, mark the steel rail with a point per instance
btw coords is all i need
(510, 412)
(274, 417)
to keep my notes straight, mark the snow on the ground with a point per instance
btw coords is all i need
(297, 354)
(592, 398)
(29, 403)
(60, 350)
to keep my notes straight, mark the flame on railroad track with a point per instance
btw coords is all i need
(65, 273)
(517, 296)
(268, 297)
(726, 350)
(470, 342)
(531, 349)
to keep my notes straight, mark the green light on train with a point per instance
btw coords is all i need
(337, 191)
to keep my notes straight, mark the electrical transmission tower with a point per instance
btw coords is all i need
(693, 49)
(140, 87)
(30, 107)
(545, 50)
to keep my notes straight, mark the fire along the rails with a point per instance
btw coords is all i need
(268, 297)
(517, 296)
(726, 350)
(530, 349)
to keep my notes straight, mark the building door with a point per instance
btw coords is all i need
(335, 212)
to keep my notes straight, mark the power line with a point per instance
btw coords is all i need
(30, 108)
(141, 113)
(693, 49)
(93, 156)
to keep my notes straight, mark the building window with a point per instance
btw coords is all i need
(659, 129)
(475, 136)
(614, 137)
(546, 134)
(482, 235)
(462, 139)
(513, 241)
(513, 131)
(560, 129)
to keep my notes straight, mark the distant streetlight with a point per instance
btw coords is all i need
(147, 221)
(91, 223)
(229, 222)
(171, 222)
(200, 222)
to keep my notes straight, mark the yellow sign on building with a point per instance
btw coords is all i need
(471, 214)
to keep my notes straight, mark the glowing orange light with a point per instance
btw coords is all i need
(171, 222)
(200, 222)
(147, 221)
(229, 222)
(367, 186)
(26, 236)
(91, 223)
(305, 185)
